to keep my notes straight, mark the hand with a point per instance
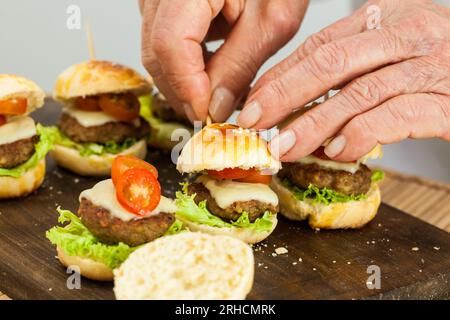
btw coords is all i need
(173, 51)
(395, 79)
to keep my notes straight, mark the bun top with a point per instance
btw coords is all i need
(220, 146)
(99, 77)
(12, 86)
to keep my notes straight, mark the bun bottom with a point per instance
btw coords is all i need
(18, 187)
(247, 235)
(94, 166)
(341, 215)
(88, 268)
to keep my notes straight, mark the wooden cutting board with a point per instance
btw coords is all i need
(413, 257)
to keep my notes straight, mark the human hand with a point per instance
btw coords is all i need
(173, 51)
(395, 79)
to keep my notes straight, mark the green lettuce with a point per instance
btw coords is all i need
(44, 145)
(324, 195)
(161, 130)
(76, 240)
(377, 175)
(175, 228)
(90, 148)
(187, 209)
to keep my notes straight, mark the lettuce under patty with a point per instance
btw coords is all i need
(44, 145)
(76, 240)
(327, 196)
(187, 209)
(90, 148)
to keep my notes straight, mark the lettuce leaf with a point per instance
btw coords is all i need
(76, 240)
(377, 175)
(44, 145)
(175, 228)
(189, 210)
(90, 148)
(324, 195)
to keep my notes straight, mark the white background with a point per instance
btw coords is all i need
(36, 43)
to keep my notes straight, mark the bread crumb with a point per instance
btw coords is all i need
(300, 259)
(314, 269)
(348, 262)
(436, 248)
(274, 254)
(281, 250)
(294, 263)
(415, 249)
(334, 261)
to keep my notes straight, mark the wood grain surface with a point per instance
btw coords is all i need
(413, 256)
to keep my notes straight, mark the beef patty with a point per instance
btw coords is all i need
(162, 110)
(302, 175)
(111, 131)
(254, 208)
(111, 230)
(15, 153)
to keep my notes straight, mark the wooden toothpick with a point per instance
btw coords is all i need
(208, 120)
(90, 41)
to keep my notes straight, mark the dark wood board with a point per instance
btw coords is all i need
(334, 263)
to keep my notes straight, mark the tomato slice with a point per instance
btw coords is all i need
(2, 120)
(138, 191)
(124, 107)
(255, 176)
(14, 106)
(123, 163)
(228, 173)
(88, 103)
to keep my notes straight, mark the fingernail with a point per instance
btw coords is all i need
(221, 105)
(189, 112)
(336, 146)
(282, 143)
(250, 115)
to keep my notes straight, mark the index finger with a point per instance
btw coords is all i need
(179, 29)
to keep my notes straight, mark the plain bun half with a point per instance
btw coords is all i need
(93, 165)
(340, 215)
(99, 77)
(187, 266)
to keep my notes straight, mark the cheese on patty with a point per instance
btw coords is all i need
(334, 165)
(226, 192)
(16, 129)
(103, 194)
(93, 118)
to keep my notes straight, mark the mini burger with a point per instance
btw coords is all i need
(115, 217)
(100, 118)
(327, 193)
(232, 194)
(23, 145)
(163, 121)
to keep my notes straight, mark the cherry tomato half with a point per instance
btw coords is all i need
(138, 191)
(123, 107)
(14, 106)
(228, 173)
(2, 120)
(255, 176)
(123, 163)
(88, 103)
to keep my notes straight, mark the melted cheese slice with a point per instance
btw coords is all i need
(93, 118)
(344, 166)
(225, 192)
(103, 194)
(16, 129)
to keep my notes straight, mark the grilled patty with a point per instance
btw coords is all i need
(162, 110)
(345, 182)
(111, 230)
(16, 153)
(254, 208)
(111, 131)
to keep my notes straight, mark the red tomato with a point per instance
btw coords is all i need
(14, 106)
(124, 107)
(228, 173)
(88, 104)
(2, 120)
(138, 191)
(123, 163)
(255, 176)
